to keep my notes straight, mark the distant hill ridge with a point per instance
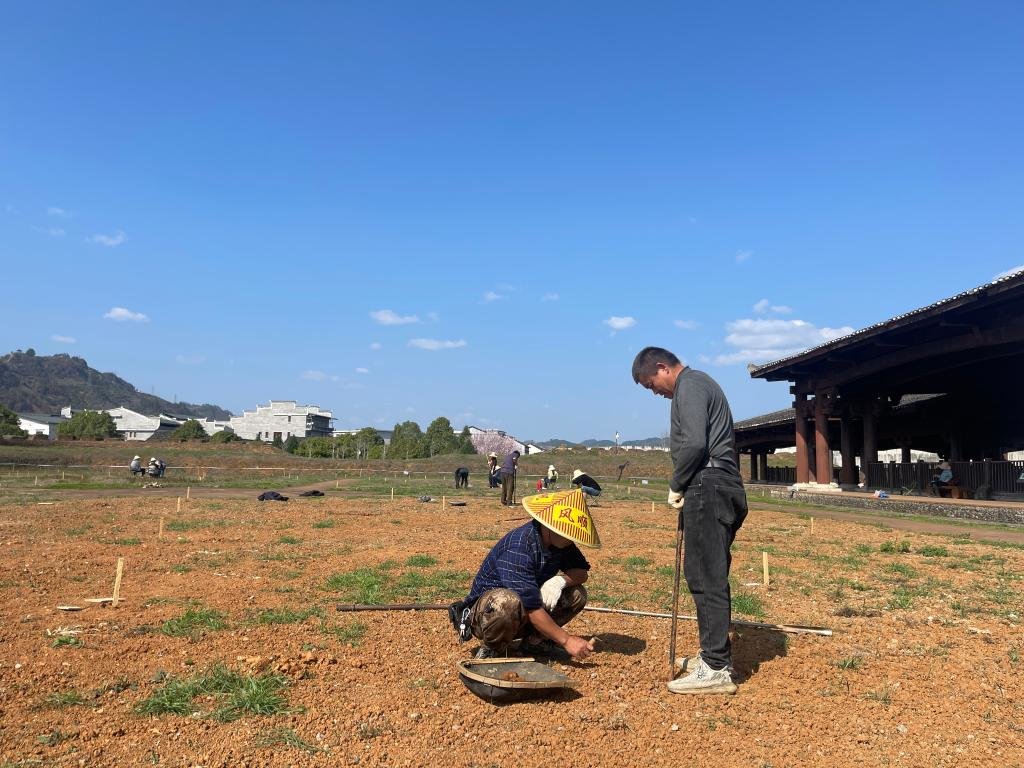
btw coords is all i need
(31, 383)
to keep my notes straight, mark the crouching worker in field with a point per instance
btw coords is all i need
(530, 585)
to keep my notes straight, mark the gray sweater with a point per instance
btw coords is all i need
(701, 428)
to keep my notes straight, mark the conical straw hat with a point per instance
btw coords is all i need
(565, 513)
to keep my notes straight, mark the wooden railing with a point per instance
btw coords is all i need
(1002, 476)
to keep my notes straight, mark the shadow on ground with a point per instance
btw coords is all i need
(611, 642)
(752, 646)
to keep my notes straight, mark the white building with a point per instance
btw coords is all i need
(40, 424)
(282, 419)
(132, 425)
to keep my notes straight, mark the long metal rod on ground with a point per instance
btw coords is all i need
(792, 629)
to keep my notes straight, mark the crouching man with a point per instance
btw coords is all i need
(530, 585)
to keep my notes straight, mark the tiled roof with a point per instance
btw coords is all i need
(1003, 282)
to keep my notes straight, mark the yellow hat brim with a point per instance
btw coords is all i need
(565, 513)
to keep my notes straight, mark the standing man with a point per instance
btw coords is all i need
(508, 479)
(706, 476)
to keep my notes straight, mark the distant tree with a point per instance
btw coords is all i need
(190, 430)
(9, 423)
(90, 425)
(465, 442)
(277, 442)
(316, 448)
(369, 444)
(30, 352)
(225, 436)
(407, 441)
(345, 446)
(291, 444)
(440, 437)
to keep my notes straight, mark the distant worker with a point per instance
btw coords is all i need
(493, 470)
(529, 586)
(552, 478)
(462, 477)
(508, 479)
(586, 483)
(706, 477)
(944, 479)
(136, 466)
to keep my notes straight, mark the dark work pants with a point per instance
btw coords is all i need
(508, 487)
(714, 509)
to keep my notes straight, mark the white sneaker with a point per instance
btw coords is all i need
(686, 663)
(704, 679)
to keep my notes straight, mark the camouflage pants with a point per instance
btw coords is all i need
(498, 616)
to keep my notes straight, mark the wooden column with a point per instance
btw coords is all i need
(905, 454)
(763, 472)
(822, 450)
(754, 467)
(846, 474)
(869, 453)
(803, 466)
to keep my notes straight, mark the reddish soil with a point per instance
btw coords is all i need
(923, 669)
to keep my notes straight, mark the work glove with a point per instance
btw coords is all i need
(675, 499)
(551, 591)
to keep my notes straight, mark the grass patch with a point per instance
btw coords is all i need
(748, 605)
(901, 600)
(348, 634)
(289, 540)
(933, 551)
(850, 662)
(636, 564)
(421, 561)
(193, 621)
(191, 525)
(328, 523)
(287, 615)
(131, 541)
(286, 737)
(236, 695)
(180, 568)
(363, 585)
(903, 570)
(66, 641)
(63, 700)
(894, 547)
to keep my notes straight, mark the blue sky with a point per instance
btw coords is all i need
(404, 210)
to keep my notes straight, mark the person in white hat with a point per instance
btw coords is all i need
(493, 476)
(530, 585)
(706, 475)
(552, 477)
(136, 466)
(944, 479)
(585, 483)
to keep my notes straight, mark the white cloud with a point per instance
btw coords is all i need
(58, 212)
(388, 317)
(742, 256)
(1007, 273)
(51, 231)
(620, 323)
(433, 345)
(362, 370)
(549, 297)
(763, 340)
(63, 339)
(376, 345)
(109, 240)
(686, 325)
(764, 306)
(492, 296)
(122, 315)
(190, 359)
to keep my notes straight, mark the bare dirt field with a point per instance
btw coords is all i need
(228, 651)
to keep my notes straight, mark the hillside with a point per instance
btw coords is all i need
(31, 383)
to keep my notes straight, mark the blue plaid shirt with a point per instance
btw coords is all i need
(520, 562)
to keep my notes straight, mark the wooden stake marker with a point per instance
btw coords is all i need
(652, 506)
(392, 493)
(117, 582)
(160, 533)
(764, 566)
(812, 525)
(443, 502)
(188, 492)
(179, 505)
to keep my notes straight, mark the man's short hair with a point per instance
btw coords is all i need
(645, 364)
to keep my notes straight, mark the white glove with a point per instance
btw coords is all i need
(551, 591)
(675, 499)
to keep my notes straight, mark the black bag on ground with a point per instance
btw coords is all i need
(271, 496)
(312, 493)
